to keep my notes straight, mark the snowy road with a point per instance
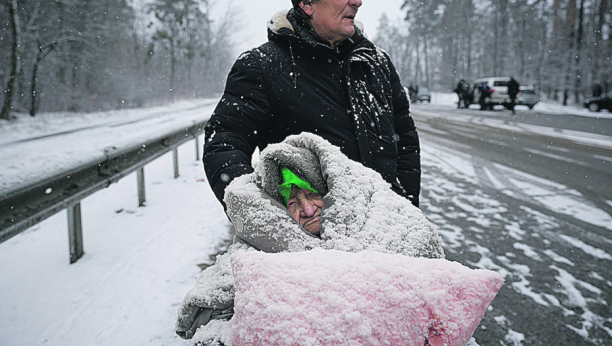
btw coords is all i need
(533, 203)
(500, 203)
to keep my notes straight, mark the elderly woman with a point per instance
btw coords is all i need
(355, 210)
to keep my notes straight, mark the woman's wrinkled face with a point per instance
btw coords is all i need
(305, 207)
(332, 20)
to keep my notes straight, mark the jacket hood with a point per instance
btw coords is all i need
(361, 212)
(279, 22)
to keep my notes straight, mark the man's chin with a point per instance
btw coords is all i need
(349, 32)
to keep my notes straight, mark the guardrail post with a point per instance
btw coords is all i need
(75, 232)
(197, 142)
(175, 160)
(141, 186)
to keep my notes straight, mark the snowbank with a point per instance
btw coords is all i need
(36, 148)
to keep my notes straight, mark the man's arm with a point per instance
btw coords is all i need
(409, 157)
(236, 126)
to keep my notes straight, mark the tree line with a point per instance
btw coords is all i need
(561, 47)
(85, 55)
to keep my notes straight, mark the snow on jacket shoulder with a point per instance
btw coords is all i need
(351, 96)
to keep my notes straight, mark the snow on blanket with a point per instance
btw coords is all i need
(330, 297)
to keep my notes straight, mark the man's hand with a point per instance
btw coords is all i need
(193, 317)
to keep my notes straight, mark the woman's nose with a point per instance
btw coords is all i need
(308, 208)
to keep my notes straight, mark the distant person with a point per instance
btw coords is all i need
(462, 91)
(320, 74)
(413, 90)
(485, 92)
(597, 90)
(513, 90)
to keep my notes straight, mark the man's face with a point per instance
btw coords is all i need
(332, 20)
(305, 207)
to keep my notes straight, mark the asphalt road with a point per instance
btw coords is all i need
(536, 209)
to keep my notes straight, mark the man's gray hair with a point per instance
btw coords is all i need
(298, 9)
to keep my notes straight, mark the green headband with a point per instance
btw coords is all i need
(290, 179)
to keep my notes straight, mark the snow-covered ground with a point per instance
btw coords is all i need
(86, 137)
(138, 262)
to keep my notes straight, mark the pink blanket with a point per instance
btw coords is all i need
(328, 297)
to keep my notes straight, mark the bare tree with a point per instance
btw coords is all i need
(558, 46)
(107, 54)
(178, 20)
(17, 53)
(43, 51)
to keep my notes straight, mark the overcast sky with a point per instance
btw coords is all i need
(255, 14)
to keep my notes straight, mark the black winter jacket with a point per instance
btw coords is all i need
(297, 82)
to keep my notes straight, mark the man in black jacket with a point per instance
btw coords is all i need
(513, 90)
(318, 74)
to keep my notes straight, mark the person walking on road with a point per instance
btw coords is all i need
(513, 90)
(462, 91)
(597, 90)
(485, 92)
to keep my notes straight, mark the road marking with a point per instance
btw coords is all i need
(428, 128)
(500, 143)
(565, 150)
(556, 157)
(605, 158)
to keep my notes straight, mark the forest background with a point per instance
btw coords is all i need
(88, 55)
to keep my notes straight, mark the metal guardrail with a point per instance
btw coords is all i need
(24, 208)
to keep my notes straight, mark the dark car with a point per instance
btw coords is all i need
(596, 104)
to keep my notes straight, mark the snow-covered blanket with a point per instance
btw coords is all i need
(361, 212)
(330, 297)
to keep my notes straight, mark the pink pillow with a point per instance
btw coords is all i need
(329, 297)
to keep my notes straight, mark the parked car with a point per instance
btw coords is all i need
(527, 97)
(423, 94)
(596, 104)
(498, 88)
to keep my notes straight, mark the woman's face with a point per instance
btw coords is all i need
(305, 207)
